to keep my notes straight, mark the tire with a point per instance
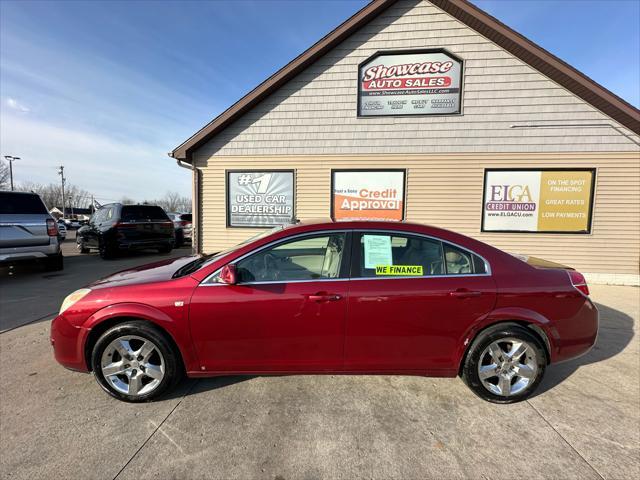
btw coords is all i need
(81, 247)
(179, 238)
(509, 374)
(129, 384)
(54, 263)
(165, 249)
(107, 251)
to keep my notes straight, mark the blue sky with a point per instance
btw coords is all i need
(107, 88)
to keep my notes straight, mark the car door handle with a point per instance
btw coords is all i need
(324, 297)
(465, 293)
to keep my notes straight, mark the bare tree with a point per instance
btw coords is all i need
(174, 202)
(4, 175)
(51, 194)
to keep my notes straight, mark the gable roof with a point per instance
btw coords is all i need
(545, 62)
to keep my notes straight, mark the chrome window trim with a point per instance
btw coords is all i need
(207, 283)
(487, 265)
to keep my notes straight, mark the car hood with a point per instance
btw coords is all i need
(151, 272)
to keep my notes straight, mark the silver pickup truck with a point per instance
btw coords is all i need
(27, 230)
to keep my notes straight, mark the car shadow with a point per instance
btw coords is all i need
(193, 386)
(615, 332)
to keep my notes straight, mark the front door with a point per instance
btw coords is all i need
(286, 313)
(410, 300)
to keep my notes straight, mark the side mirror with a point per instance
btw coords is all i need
(228, 274)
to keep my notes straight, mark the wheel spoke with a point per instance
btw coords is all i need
(124, 348)
(496, 352)
(525, 371)
(517, 350)
(153, 371)
(115, 368)
(488, 371)
(135, 384)
(146, 350)
(504, 384)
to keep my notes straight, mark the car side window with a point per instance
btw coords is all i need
(314, 258)
(461, 262)
(399, 255)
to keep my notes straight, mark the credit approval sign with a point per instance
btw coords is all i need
(423, 82)
(367, 194)
(538, 200)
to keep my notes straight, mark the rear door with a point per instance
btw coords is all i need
(23, 220)
(411, 298)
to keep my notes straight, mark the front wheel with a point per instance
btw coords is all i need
(505, 364)
(135, 362)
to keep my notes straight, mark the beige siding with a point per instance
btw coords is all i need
(315, 112)
(446, 190)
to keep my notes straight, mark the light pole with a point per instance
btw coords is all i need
(61, 173)
(11, 159)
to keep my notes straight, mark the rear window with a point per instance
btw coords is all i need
(21, 204)
(152, 213)
(185, 217)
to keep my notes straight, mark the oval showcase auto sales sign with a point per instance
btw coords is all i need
(410, 83)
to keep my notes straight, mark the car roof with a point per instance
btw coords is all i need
(320, 223)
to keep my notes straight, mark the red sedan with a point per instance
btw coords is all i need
(331, 297)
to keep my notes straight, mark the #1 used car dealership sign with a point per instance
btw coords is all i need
(542, 200)
(259, 198)
(422, 82)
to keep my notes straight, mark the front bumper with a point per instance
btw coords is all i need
(68, 344)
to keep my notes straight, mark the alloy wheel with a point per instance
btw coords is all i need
(508, 366)
(133, 365)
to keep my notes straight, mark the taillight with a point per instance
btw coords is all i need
(185, 223)
(52, 228)
(578, 281)
(125, 225)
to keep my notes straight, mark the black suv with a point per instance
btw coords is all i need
(116, 227)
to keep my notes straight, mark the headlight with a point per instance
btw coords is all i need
(73, 298)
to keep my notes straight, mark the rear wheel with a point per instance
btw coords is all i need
(179, 238)
(54, 262)
(505, 364)
(135, 362)
(107, 251)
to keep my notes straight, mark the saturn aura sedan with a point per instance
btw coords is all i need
(331, 297)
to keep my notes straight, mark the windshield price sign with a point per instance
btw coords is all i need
(410, 83)
(260, 198)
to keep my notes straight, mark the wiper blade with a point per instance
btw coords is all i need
(192, 266)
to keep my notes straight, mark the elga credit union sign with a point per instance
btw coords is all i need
(545, 200)
(260, 198)
(423, 82)
(367, 194)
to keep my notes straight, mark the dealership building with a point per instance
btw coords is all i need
(429, 111)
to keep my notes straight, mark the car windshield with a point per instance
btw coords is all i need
(205, 260)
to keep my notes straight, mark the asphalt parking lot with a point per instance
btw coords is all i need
(584, 423)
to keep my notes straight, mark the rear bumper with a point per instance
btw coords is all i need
(12, 254)
(68, 344)
(576, 336)
(142, 244)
